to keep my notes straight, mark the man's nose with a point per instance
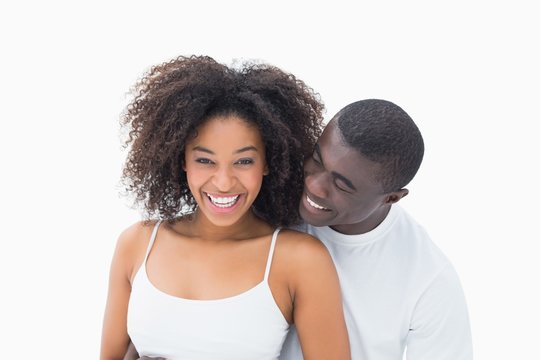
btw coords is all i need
(317, 183)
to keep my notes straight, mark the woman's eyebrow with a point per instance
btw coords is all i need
(203, 149)
(246, 148)
(241, 150)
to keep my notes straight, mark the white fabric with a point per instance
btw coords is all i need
(246, 326)
(399, 291)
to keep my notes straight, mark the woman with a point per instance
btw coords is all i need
(216, 154)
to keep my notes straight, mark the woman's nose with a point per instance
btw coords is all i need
(224, 179)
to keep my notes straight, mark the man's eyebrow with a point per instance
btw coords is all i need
(206, 150)
(334, 174)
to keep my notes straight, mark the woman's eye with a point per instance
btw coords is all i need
(244, 162)
(203, 161)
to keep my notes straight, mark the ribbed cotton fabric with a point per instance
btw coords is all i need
(249, 325)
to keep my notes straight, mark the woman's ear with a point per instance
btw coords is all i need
(266, 171)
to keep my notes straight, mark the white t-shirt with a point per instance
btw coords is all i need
(399, 291)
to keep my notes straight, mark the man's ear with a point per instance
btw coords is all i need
(395, 196)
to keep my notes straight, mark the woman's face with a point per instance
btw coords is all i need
(225, 164)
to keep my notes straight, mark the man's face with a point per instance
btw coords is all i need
(340, 189)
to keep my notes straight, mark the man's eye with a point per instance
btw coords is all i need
(341, 188)
(245, 162)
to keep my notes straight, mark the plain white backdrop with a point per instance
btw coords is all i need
(466, 71)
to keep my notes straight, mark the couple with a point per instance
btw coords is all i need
(217, 155)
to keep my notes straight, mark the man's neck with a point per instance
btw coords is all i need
(365, 226)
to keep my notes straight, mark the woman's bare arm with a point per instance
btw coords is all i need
(114, 338)
(318, 310)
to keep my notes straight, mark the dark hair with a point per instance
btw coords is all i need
(173, 99)
(386, 134)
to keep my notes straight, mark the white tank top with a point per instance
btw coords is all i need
(249, 325)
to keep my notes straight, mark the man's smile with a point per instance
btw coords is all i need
(315, 205)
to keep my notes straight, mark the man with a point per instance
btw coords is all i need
(399, 291)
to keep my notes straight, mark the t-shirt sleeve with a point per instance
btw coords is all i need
(440, 328)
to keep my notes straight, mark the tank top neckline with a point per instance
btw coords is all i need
(263, 284)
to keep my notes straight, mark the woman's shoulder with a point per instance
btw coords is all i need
(303, 260)
(301, 246)
(132, 244)
(136, 234)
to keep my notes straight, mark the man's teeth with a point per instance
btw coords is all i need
(315, 205)
(223, 202)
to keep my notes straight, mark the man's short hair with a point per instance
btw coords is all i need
(385, 134)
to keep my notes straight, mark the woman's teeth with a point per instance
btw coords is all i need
(223, 202)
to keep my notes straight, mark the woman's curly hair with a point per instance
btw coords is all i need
(173, 99)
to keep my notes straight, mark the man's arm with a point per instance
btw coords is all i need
(132, 354)
(440, 328)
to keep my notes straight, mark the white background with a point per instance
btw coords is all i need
(466, 71)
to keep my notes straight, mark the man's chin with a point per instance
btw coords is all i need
(313, 219)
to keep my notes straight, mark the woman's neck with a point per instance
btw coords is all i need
(249, 226)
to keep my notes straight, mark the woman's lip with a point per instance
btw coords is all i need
(219, 209)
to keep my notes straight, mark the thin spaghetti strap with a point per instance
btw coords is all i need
(271, 254)
(152, 239)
